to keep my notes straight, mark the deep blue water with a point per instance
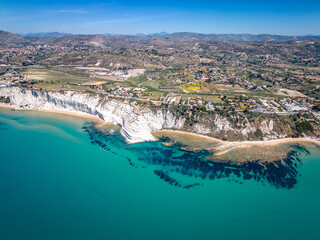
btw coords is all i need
(61, 178)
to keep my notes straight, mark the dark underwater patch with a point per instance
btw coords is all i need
(2, 126)
(168, 161)
(106, 141)
(19, 120)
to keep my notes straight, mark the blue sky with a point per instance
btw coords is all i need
(140, 16)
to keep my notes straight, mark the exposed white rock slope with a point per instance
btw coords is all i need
(136, 124)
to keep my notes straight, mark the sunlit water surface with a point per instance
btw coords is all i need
(60, 178)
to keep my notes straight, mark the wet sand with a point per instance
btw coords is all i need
(6, 106)
(76, 114)
(207, 139)
(61, 112)
(272, 150)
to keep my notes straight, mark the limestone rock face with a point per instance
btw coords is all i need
(136, 125)
(138, 122)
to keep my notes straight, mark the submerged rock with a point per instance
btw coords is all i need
(168, 161)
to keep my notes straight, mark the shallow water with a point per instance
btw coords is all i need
(60, 178)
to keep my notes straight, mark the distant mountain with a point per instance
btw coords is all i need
(111, 34)
(152, 34)
(106, 40)
(309, 36)
(235, 37)
(96, 40)
(160, 33)
(45, 35)
(221, 37)
(10, 40)
(138, 34)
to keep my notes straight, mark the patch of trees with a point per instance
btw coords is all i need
(258, 133)
(5, 99)
(316, 107)
(303, 127)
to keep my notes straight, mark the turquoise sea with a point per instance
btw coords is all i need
(60, 178)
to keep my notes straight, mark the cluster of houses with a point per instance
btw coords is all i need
(9, 53)
(11, 78)
(291, 105)
(283, 106)
(130, 92)
(172, 98)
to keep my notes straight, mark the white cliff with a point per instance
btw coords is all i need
(136, 125)
(136, 122)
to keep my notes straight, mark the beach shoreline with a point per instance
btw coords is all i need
(169, 131)
(236, 151)
(239, 151)
(262, 142)
(62, 112)
(6, 106)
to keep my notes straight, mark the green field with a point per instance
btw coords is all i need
(39, 74)
(51, 79)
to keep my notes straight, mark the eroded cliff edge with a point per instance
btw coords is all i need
(139, 119)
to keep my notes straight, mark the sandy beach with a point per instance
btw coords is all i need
(271, 150)
(227, 143)
(69, 113)
(76, 114)
(240, 151)
(6, 106)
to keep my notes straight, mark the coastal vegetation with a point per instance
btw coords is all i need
(4, 99)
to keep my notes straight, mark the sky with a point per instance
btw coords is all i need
(281, 17)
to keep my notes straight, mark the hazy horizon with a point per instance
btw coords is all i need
(294, 18)
(160, 32)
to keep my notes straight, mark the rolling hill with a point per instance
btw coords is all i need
(10, 40)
